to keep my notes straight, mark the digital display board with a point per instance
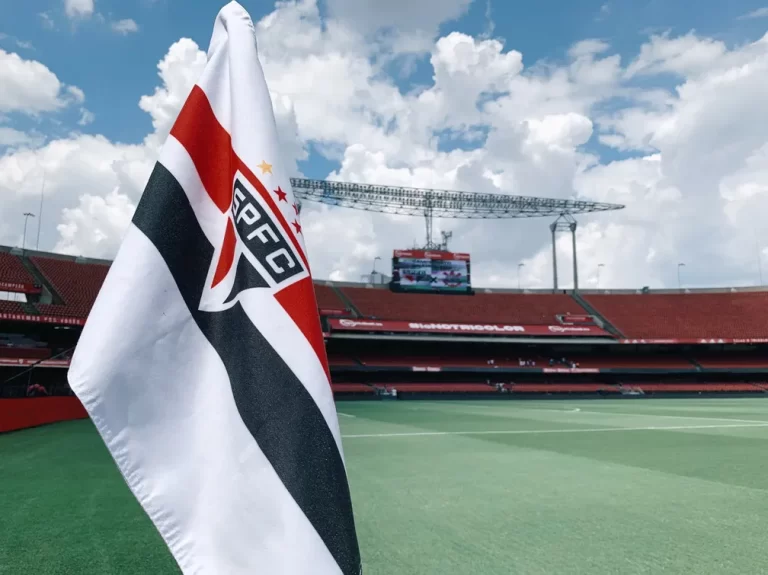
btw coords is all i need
(430, 271)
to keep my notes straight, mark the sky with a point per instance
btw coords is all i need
(647, 103)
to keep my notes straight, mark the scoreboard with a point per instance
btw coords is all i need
(430, 271)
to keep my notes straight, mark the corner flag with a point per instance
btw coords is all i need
(202, 363)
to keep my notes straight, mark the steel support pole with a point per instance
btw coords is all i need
(575, 262)
(553, 227)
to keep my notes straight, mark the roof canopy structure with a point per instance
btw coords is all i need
(431, 204)
(439, 203)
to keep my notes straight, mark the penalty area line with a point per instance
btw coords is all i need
(545, 431)
(347, 415)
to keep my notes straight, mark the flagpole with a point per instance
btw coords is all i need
(40, 214)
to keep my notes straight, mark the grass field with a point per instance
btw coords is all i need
(487, 488)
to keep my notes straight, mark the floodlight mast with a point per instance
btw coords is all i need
(430, 204)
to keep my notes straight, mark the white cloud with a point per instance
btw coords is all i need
(125, 26)
(178, 71)
(12, 138)
(78, 8)
(30, 87)
(403, 25)
(86, 117)
(695, 190)
(683, 55)
(589, 47)
(759, 13)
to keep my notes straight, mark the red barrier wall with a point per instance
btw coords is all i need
(30, 412)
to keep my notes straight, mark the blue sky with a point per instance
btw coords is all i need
(676, 132)
(115, 70)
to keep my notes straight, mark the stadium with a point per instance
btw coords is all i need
(651, 459)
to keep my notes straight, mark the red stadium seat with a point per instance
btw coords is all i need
(442, 388)
(733, 360)
(351, 388)
(686, 316)
(11, 307)
(13, 271)
(562, 388)
(527, 309)
(77, 283)
(328, 301)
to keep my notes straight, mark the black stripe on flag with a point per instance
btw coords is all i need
(274, 405)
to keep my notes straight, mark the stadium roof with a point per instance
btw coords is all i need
(439, 203)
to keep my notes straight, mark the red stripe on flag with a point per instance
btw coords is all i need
(298, 300)
(227, 254)
(209, 146)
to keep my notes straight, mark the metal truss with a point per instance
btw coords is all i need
(430, 204)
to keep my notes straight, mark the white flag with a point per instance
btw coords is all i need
(202, 362)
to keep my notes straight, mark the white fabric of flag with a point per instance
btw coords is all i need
(202, 363)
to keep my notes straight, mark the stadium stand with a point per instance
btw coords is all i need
(328, 301)
(562, 388)
(372, 365)
(12, 271)
(692, 315)
(77, 284)
(733, 361)
(531, 309)
(644, 361)
(11, 307)
(352, 388)
(335, 359)
(441, 388)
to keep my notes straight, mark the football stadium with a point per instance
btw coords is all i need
(494, 431)
(203, 404)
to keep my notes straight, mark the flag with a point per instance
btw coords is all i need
(202, 363)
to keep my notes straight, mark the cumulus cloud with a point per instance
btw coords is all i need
(686, 112)
(30, 87)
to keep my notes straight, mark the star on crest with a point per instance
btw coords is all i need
(281, 195)
(297, 226)
(265, 167)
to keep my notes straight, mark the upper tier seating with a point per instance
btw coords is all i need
(78, 284)
(328, 299)
(13, 271)
(531, 309)
(686, 316)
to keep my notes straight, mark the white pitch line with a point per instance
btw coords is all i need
(543, 431)
(622, 413)
(347, 415)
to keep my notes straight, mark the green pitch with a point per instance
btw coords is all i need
(485, 488)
